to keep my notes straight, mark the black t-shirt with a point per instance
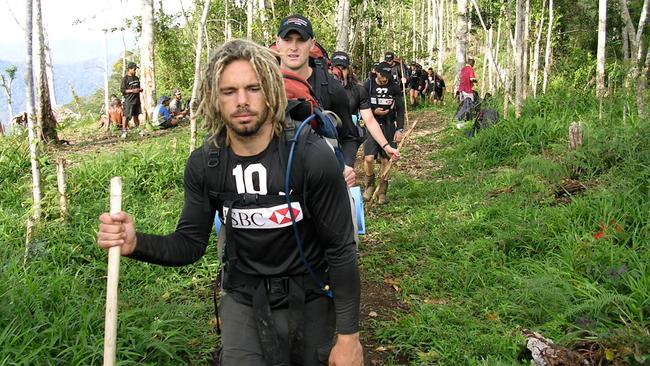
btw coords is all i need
(439, 85)
(414, 80)
(130, 82)
(332, 97)
(263, 235)
(387, 96)
(357, 96)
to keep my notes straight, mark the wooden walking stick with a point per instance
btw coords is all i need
(384, 174)
(110, 324)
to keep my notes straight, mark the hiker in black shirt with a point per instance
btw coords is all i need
(272, 311)
(294, 40)
(438, 88)
(398, 71)
(359, 104)
(131, 90)
(414, 85)
(387, 105)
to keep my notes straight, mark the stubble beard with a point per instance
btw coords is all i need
(247, 131)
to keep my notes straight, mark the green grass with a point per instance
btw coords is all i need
(481, 248)
(499, 253)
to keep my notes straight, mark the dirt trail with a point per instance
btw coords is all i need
(379, 299)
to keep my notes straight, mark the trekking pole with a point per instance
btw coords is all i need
(110, 324)
(384, 174)
(406, 110)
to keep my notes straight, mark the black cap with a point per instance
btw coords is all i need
(296, 23)
(340, 58)
(389, 56)
(132, 65)
(384, 69)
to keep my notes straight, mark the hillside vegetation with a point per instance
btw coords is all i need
(484, 240)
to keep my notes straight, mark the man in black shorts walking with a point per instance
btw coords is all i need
(131, 91)
(387, 105)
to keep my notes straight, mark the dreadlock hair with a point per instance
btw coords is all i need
(266, 68)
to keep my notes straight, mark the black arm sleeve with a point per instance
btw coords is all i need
(188, 243)
(330, 204)
(399, 110)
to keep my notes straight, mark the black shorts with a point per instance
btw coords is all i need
(131, 110)
(371, 147)
(438, 95)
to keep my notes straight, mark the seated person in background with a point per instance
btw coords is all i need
(115, 114)
(176, 105)
(162, 118)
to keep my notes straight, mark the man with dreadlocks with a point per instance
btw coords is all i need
(272, 311)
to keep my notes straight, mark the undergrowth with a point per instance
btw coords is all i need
(480, 248)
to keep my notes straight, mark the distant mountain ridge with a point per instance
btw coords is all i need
(85, 77)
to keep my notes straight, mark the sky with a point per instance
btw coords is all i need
(74, 42)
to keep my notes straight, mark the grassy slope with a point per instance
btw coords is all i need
(472, 264)
(482, 246)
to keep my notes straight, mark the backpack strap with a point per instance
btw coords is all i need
(297, 178)
(216, 159)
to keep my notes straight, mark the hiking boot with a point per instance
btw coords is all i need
(370, 187)
(383, 187)
(123, 134)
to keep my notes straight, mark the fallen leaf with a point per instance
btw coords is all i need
(381, 349)
(373, 314)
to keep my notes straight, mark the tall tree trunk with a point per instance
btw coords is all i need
(431, 30)
(49, 70)
(227, 31)
(415, 31)
(491, 68)
(44, 116)
(441, 29)
(197, 74)
(461, 35)
(547, 54)
(497, 46)
(343, 25)
(602, 38)
(265, 30)
(488, 50)
(29, 100)
(626, 45)
(538, 39)
(525, 58)
(147, 60)
(508, 42)
(7, 83)
(106, 71)
(519, 56)
(250, 10)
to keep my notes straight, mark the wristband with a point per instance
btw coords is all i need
(401, 130)
(384, 146)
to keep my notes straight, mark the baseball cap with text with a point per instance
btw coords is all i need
(340, 58)
(296, 23)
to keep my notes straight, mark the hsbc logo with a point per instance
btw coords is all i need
(264, 218)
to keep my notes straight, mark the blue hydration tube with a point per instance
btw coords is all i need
(324, 287)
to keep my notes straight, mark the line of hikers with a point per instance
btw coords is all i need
(276, 168)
